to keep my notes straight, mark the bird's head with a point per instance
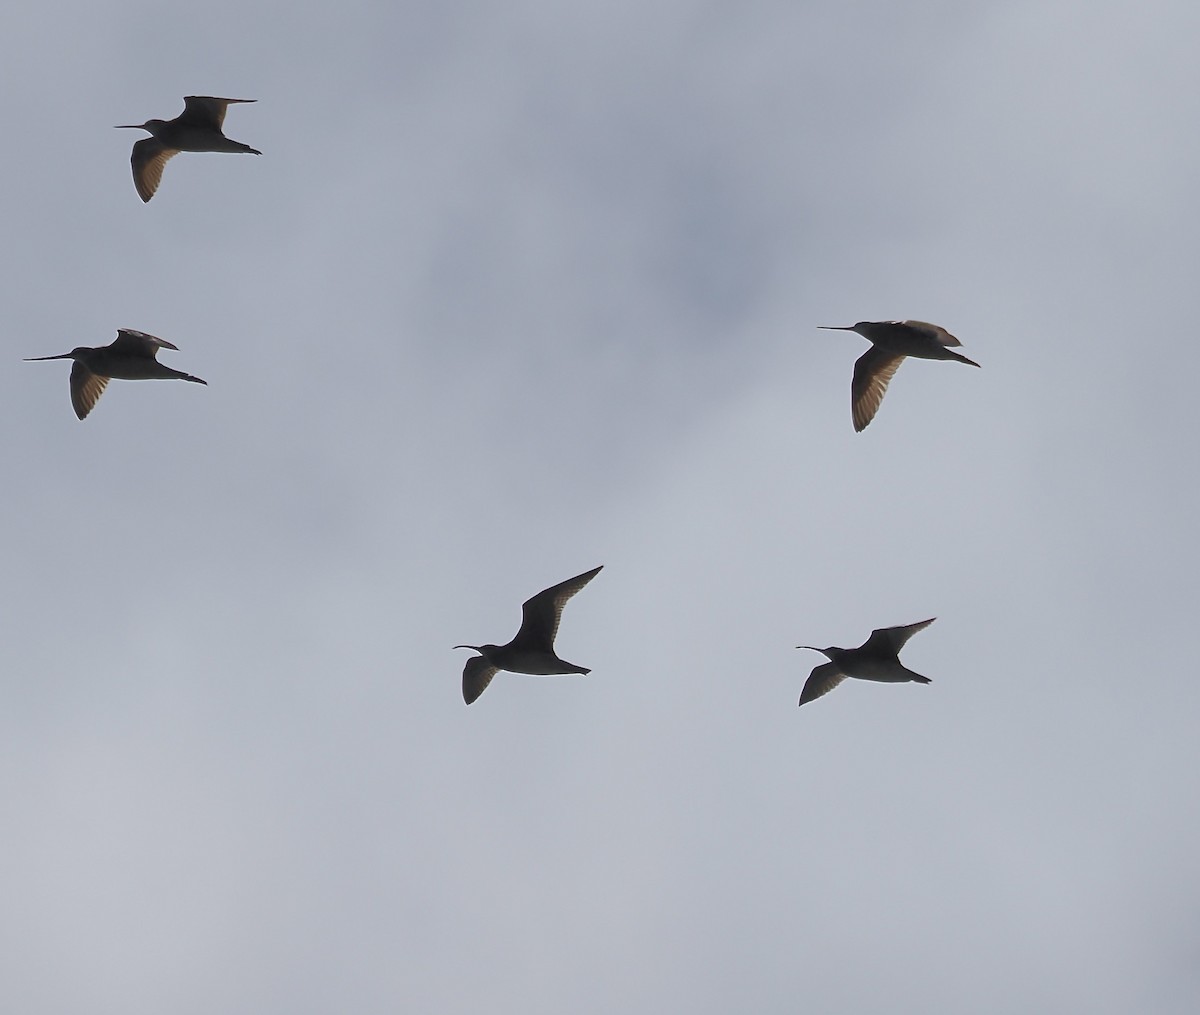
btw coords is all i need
(483, 650)
(153, 126)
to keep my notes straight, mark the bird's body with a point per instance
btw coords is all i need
(891, 342)
(196, 129)
(532, 649)
(132, 356)
(875, 659)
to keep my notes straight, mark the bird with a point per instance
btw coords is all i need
(196, 129)
(877, 658)
(130, 357)
(532, 649)
(890, 342)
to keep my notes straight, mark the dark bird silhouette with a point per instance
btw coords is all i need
(890, 342)
(877, 658)
(532, 650)
(129, 357)
(196, 129)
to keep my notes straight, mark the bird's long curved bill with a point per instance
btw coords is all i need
(834, 327)
(34, 359)
(128, 126)
(811, 648)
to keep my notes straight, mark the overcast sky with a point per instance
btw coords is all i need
(519, 289)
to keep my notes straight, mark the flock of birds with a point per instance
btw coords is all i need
(133, 356)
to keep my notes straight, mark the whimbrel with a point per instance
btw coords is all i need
(877, 658)
(130, 357)
(196, 129)
(890, 342)
(532, 650)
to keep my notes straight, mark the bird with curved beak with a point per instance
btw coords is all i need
(877, 658)
(890, 342)
(196, 129)
(132, 356)
(532, 649)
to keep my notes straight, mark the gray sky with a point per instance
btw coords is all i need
(516, 290)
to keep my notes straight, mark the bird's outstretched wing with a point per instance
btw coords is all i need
(872, 372)
(149, 157)
(934, 331)
(477, 674)
(138, 343)
(890, 640)
(822, 680)
(540, 614)
(86, 389)
(206, 110)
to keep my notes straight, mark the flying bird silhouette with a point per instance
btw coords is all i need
(131, 356)
(877, 658)
(532, 649)
(890, 342)
(196, 129)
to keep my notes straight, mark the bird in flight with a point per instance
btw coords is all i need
(890, 342)
(196, 129)
(131, 356)
(877, 658)
(532, 649)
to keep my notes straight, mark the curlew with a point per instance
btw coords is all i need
(877, 658)
(131, 356)
(532, 649)
(890, 342)
(196, 129)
